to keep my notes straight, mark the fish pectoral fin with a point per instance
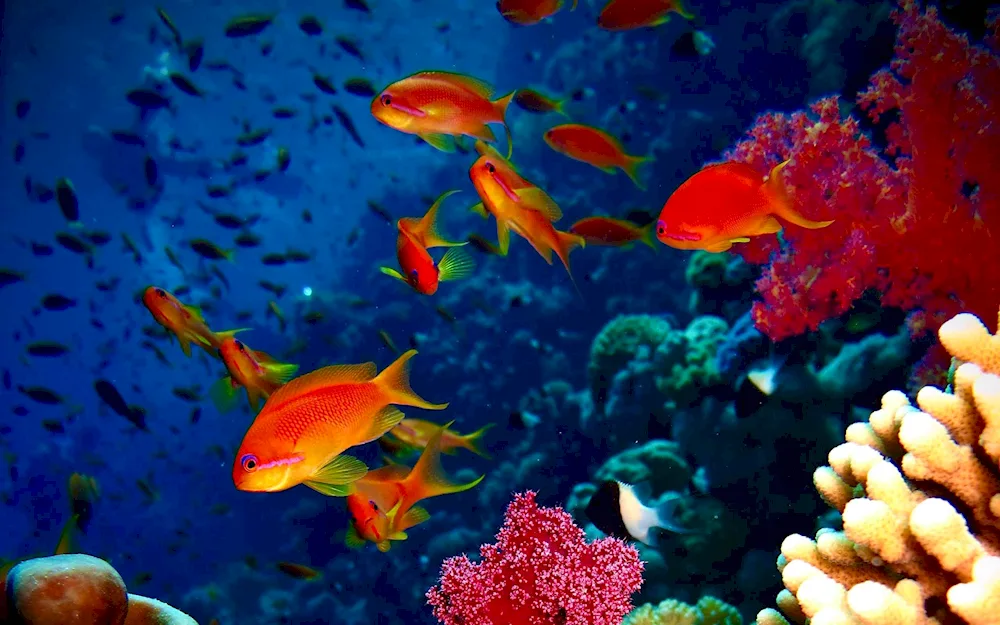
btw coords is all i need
(281, 372)
(484, 133)
(339, 473)
(387, 418)
(383, 545)
(455, 265)
(185, 345)
(413, 516)
(330, 490)
(194, 311)
(398, 536)
(480, 210)
(722, 246)
(445, 143)
(503, 237)
(392, 273)
(740, 240)
(352, 540)
(769, 226)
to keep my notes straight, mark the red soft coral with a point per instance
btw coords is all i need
(920, 221)
(541, 571)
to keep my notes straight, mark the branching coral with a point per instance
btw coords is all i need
(708, 611)
(919, 492)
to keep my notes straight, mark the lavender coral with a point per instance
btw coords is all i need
(919, 492)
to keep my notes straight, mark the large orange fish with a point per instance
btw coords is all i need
(255, 371)
(727, 203)
(305, 426)
(615, 232)
(629, 14)
(595, 147)
(520, 206)
(415, 433)
(418, 268)
(383, 502)
(440, 106)
(185, 322)
(528, 12)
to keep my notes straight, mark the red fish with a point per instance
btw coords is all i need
(255, 371)
(185, 322)
(536, 102)
(614, 232)
(383, 504)
(528, 12)
(595, 147)
(419, 269)
(629, 14)
(727, 203)
(439, 106)
(306, 425)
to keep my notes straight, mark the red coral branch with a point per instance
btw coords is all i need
(541, 571)
(918, 220)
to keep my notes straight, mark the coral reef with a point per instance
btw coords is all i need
(721, 285)
(708, 611)
(919, 494)
(685, 361)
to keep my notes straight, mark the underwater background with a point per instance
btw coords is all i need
(227, 153)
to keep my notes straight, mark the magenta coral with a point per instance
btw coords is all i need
(920, 220)
(540, 571)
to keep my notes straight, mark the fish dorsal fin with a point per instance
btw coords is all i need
(475, 85)
(331, 375)
(535, 199)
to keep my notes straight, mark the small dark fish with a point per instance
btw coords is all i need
(98, 237)
(150, 170)
(266, 47)
(195, 50)
(253, 138)
(156, 351)
(311, 26)
(237, 159)
(376, 208)
(445, 314)
(83, 492)
(323, 84)
(114, 400)
(195, 415)
(130, 246)
(56, 302)
(359, 87)
(247, 239)
(387, 340)
(484, 246)
(106, 286)
(46, 349)
(536, 102)
(307, 216)
(284, 159)
(41, 395)
(248, 25)
(283, 112)
(128, 137)
(22, 108)
(54, 426)
(6, 379)
(261, 175)
(20, 411)
(18, 151)
(67, 200)
(8, 277)
(312, 318)
(298, 571)
(358, 5)
(41, 249)
(147, 99)
(146, 487)
(348, 46)
(209, 251)
(348, 125)
(221, 276)
(277, 289)
(297, 256)
(116, 17)
(217, 191)
(233, 222)
(73, 243)
(273, 260)
(169, 23)
(188, 393)
(184, 83)
(38, 191)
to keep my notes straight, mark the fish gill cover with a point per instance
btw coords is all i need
(248, 247)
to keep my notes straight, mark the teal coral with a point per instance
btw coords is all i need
(685, 360)
(708, 611)
(618, 343)
(658, 462)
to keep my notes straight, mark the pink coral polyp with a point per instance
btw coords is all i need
(540, 571)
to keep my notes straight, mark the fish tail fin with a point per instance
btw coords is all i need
(560, 106)
(666, 514)
(427, 478)
(394, 381)
(455, 265)
(424, 230)
(573, 8)
(566, 242)
(649, 236)
(223, 394)
(631, 168)
(473, 441)
(218, 337)
(681, 8)
(501, 104)
(781, 202)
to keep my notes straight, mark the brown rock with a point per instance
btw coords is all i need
(146, 611)
(72, 589)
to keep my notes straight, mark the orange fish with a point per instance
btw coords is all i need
(305, 426)
(615, 232)
(724, 204)
(595, 147)
(439, 106)
(299, 571)
(536, 102)
(383, 504)
(419, 269)
(520, 206)
(415, 433)
(185, 322)
(528, 12)
(255, 371)
(629, 14)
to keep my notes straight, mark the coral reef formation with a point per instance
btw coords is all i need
(918, 489)
(708, 611)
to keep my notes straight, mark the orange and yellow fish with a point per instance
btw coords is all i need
(595, 147)
(185, 322)
(629, 14)
(305, 426)
(727, 203)
(528, 12)
(440, 106)
(520, 206)
(614, 232)
(255, 371)
(415, 434)
(383, 502)
(535, 101)
(419, 269)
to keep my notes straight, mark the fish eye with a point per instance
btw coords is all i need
(413, 273)
(160, 293)
(249, 463)
(490, 167)
(374, 505)
(386, 99)
(661, 227)
(240, 346)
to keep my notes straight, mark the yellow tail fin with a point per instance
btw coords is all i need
(394, 381)
(424, 230)
(631, 168)
(427, 478)
(782, 203)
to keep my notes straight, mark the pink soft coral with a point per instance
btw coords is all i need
(541, 571)
(919, 222)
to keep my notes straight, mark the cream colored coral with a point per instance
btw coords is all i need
(906, 556)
